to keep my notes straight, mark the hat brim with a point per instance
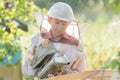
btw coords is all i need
(38, 15)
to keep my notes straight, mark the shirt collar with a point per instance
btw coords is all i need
(49, 35)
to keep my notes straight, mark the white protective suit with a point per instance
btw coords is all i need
(78, 62)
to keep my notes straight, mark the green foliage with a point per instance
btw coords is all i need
(10, 9)
(114, 5)
(8, 40)
(27, 78)
(114, 62)
(101, 43)
(1, 78)
(9, 32)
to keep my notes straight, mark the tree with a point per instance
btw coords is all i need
(12, 15)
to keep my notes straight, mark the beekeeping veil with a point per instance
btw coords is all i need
(63, 12)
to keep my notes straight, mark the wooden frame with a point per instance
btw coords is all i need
(91, 75)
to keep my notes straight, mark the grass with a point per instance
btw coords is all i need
(101, 42)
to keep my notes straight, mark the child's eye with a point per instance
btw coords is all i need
(63, 23)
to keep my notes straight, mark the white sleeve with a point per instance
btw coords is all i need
(27, 70)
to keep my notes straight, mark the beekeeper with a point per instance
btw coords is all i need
(60, 16)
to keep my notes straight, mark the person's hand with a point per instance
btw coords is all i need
(32, 50)
(45, 43)
(50, 75)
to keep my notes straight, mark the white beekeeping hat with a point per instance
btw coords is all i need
(61, 11)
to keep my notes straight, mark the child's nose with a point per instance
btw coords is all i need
(59, 26)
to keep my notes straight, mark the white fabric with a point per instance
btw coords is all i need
(57, 10)
(77, 59)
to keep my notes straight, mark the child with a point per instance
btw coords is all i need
(60, 16)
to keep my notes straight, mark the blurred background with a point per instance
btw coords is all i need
(101, 35)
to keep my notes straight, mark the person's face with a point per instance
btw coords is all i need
(58, 27)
